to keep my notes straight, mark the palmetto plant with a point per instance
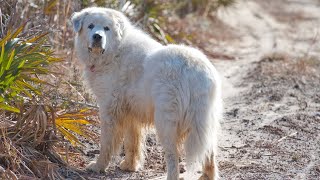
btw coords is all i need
(21, 63)
(75, 123)
(24, 62)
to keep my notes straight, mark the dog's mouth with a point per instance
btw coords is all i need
(92, 68)
(96, 50)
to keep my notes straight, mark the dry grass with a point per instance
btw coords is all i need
(22, 161)
(278, 76)
(284, 64)
(32, 147)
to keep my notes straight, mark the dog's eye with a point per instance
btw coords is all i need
(91, 26)
(106, 28)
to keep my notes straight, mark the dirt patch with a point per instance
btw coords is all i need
(276, 121)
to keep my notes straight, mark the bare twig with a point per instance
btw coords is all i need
(79, 94)
(285, 137)
(1, 35)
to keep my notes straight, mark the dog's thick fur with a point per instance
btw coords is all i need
(138, 82)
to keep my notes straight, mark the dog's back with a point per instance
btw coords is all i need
(186, 92)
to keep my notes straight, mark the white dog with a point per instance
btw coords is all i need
(138, 82)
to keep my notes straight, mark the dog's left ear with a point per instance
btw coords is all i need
(119, 25)
(77, 19)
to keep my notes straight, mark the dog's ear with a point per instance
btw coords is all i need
(77, 20)
(119, 21)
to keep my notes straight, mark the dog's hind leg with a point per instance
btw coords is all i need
(209, 169)
(167, 132)
(133, 145)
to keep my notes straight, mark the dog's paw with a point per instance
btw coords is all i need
(93, 166)
(204, 177)
(129, 166)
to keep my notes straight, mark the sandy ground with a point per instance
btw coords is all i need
(271, 125)
(271, 86)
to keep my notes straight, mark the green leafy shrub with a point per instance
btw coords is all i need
(22, 61)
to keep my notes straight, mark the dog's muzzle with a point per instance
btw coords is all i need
(96, 46)
(95, 50)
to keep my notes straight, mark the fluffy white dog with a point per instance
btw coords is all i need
(138, 83)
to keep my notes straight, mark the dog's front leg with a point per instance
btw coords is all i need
(133, 144)
(110, 141)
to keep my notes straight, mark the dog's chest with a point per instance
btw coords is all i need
(120, 96)
(101, 85)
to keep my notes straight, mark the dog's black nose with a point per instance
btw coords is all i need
(97, 37)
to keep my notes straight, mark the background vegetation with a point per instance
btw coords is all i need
(45, 113)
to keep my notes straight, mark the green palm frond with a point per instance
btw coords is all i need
(21, 60)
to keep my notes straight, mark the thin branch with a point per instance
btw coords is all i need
(285, 137)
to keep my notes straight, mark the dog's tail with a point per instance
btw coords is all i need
(201, 142)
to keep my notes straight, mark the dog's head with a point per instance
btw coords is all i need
(99, 30)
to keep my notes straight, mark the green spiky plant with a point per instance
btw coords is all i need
(21, 63)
